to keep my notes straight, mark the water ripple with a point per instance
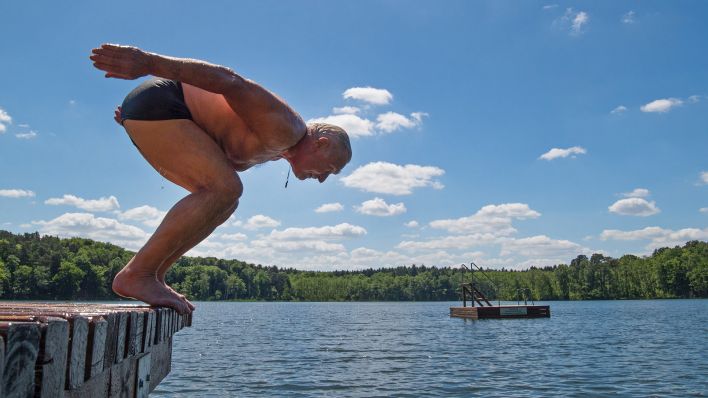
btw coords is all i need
(587, 349)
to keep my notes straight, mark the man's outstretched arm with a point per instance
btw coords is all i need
(260, 109)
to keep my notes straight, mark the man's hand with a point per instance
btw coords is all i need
(122, 62)
(116, 116)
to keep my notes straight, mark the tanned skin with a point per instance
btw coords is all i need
(236, 124)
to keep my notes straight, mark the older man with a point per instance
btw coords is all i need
(197, 124)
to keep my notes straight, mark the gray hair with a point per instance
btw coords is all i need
(335, 132)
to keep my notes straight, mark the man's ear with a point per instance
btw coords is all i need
(322, 142)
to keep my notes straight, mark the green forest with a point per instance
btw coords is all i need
(49, 268)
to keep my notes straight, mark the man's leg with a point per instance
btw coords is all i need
(162, 271)
(184, 154)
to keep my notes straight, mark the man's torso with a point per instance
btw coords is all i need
(243, 147)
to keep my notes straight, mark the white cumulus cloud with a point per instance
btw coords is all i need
(92, 205)
(456, 242)
(26, 136)
(391, 121)
(16, 193)
(279, 245)
(637, 193)
(393, 179)
(628, 17)
(620, 109)
(572, 21)
(260, 221)
(704, 177)
(634, 207)
(579, 20)
(541, 246)
(658, 237)
(347, 110)
(379, 207)
(354, 125)
(661, 105)
(4, 119)
(339, 231)
(148, 215)
(376, 96)
(494, 219)
(86, 225)
(329, 208)
(556, 153)
(412, 224)
(234, 237)
(703, 210)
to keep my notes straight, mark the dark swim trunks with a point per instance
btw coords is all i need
(155, 99)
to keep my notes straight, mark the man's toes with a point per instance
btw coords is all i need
(182, 308)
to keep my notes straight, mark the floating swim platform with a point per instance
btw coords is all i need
(482, 308)
(85, 350)
(504, 311)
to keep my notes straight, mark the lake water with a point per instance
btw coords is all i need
(590, 348)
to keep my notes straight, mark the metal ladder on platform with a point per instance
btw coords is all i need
(469, 290)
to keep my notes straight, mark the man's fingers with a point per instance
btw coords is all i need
(112, 52)
(103, 51)
(105, 61)
(106, 67)
(120, 76)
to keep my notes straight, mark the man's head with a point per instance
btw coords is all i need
(324, 150)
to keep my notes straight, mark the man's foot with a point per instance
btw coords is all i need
(148, 289)
(182, 296)
(161, 279)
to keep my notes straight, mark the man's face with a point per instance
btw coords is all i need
(319, 165)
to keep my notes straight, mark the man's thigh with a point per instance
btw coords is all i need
(182, 152)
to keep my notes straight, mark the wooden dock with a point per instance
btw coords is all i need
(504, 311)
(85, 350)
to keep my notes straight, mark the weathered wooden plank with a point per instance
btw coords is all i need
(171, 326)
(163, 324)
(123, 378)
(122, 335)
(132, 327)
(168, 317)
(51, 360)
(78, 343)
(2, 365)
(153, 327)
(147, 334)
(142, 387)
(139, 332)
(96, 347)
(109, 355)
(22, 348)
(96, 387)
(159, 328)
(160, 362)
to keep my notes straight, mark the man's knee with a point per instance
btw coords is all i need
(227, 194)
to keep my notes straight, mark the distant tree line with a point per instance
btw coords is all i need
(48, 268)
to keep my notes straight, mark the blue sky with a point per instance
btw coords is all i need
(506, 133)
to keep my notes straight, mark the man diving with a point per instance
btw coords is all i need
(198, 124)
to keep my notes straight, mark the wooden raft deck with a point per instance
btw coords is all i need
(85, 350)
(496, 312)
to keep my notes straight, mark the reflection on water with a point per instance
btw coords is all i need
(592, 348)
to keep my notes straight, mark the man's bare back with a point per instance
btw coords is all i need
(230, 125)
(243, 146)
